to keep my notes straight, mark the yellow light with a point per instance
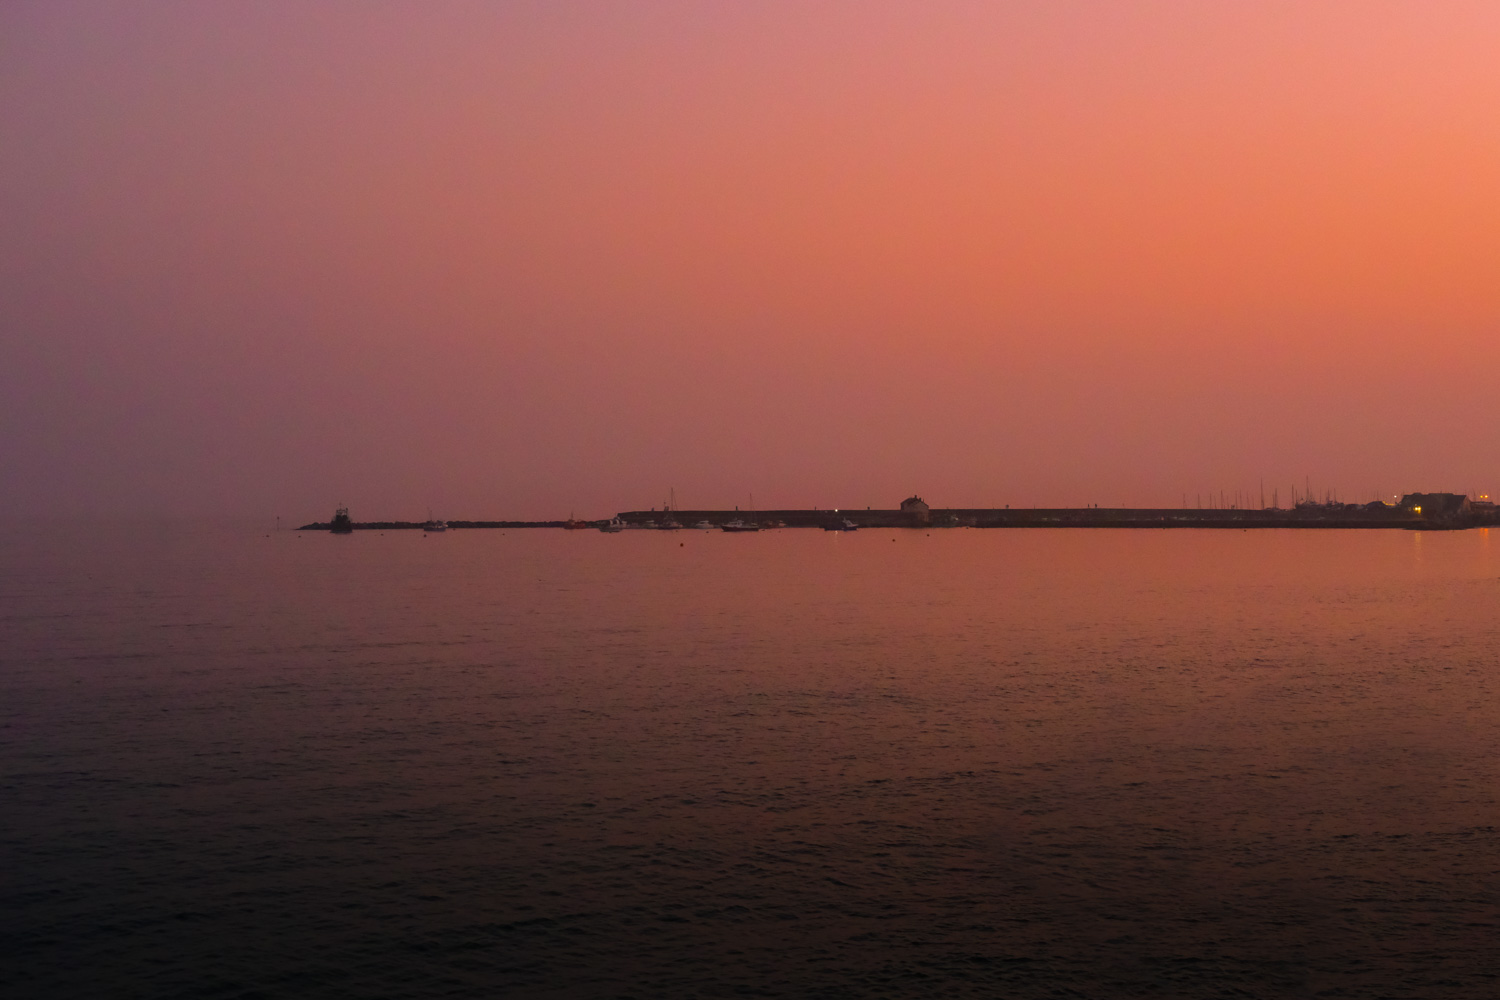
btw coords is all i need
(1417, 509)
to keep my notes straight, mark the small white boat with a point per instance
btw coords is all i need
(612, 525)
(704, 525)
(433, 525)
(842, 525)
(739, 524)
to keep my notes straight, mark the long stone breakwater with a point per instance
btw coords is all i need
(1439, 512)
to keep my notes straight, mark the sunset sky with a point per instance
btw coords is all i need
(517, 260)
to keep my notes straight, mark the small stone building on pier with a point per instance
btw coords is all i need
(916, 509)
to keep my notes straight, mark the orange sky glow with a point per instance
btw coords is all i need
(522, 259)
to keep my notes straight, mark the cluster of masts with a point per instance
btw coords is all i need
(671, 524)
(1301, 499)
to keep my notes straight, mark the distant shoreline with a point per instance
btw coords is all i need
(1308, 516)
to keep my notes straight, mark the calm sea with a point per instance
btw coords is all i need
(960, 763)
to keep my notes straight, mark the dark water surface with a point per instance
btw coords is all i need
(1022, 763)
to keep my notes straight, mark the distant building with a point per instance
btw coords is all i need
(1447, 509)
(916, 509)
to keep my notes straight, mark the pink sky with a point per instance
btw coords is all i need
(524, 259)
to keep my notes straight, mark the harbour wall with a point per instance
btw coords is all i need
(1311, 516)
(1055, 517)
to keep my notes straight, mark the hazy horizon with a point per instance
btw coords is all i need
(520, 260)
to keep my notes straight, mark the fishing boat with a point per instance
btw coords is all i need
(341, 525)
(668, 522)
(433, 525)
